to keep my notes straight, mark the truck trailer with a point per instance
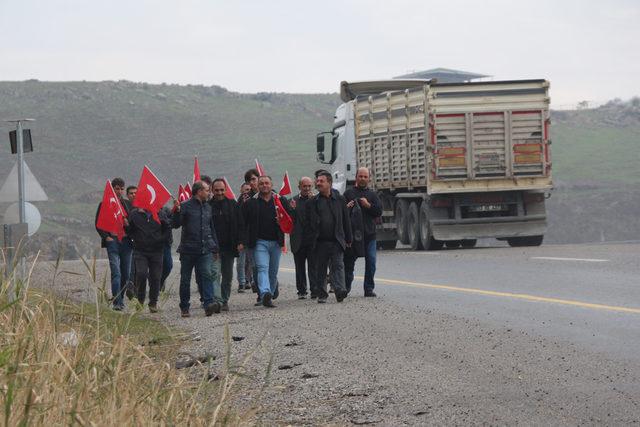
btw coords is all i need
(451, 162)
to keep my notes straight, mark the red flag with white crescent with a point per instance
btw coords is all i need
(187, 191)
(196, 170)
(152, 194)
(228, 192)
(112, 214)
(259, 168)
(182, 194)
(284, 220)
(286, 185)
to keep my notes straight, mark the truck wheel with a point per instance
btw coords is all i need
(387, 245)
(413, 225)
(516, 242)
(426, 238)
(402, 215)
(453, 244)
(469, 243)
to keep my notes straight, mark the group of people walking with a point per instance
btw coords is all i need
(330, 231)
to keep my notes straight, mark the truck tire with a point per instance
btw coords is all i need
(516, 242)
(413, 226)
(402, 215)
(453, 244)
(426, 238)
(387, 245)
(469, 243)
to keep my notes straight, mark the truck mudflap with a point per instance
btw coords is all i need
(493, 227)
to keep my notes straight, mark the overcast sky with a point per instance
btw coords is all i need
(589, 50)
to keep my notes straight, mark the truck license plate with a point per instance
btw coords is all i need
(488, 208)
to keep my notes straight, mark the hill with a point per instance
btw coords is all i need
(87, 132)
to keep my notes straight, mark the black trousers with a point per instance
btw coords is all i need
(148, 267)
(305, 264)
(328, 255)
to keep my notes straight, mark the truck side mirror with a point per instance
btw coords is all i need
(321, 146)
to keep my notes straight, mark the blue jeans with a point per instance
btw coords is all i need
(267, 259)
(119, 254)
(369, 267)
(167, 264)
(203, 265)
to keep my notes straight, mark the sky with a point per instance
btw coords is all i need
(588, 50)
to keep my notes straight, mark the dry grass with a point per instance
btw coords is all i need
(118, 372)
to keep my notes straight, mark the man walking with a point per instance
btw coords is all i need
(328, 231)
(244, 276)
(371, 208)
(167, 258)
(119, 252)
(198, 247)
(149, 238)
(251, 177)
(229, 228)
(264, 236)
(302, 250)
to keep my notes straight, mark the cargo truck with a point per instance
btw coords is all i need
(451, 162)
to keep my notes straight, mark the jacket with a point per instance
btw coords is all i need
(103, 234)
(369, 215)
(252, 223)
(232, 221)
(340, 216)
(198, 232)
(357, 230)
(297, 236)
(147, 235)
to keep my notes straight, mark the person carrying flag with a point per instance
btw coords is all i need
(198, 247)
(265, 237)
(119, 250)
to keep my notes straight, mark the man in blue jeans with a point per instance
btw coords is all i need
(371, 207)
(198, 248)
(264, 236)
(119, 252)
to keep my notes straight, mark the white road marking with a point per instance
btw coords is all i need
(550, 258)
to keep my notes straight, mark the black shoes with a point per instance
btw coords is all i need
(302, 296)
(341, 295)
(241, 289)
(322, 300)
(267, 300)
(214, 307)
(225, 307)
(370, 294)
(185, 313)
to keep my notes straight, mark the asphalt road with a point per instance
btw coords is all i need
(586, 294)
(487, 336)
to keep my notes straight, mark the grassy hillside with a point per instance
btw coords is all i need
(87, 132)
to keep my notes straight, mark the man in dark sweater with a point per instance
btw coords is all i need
(264, 236)
(302, 251)
(149, 238)
(328, 231)
(229, 228)
(198, 247)
(371, 208)
(119, 252)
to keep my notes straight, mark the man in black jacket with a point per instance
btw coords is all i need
(264, 236)
(119, 252)
(328, 231)
(302, 251)
(229, 229)
(198, 247)
(149, 238)
(371, 207)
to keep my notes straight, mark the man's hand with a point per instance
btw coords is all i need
(348, 244)
(126, 222)
(292, 203)
(240, 247)
(351, 204)
(365, 203)
(109, 239)
(216, 256)
(176, 205)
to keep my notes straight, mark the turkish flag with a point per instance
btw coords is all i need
(196, 170)
(112, 214)
(182, 194)
(286, 185)
(187, 191)
(284, 220)
(152, 194)
(259, 168)
(228, 192)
